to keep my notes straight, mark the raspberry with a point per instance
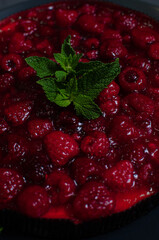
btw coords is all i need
(95, 144)
(33, 201)
(92, 55)
(111, 34)
(89, 23)
(62, 187)
(91, 43)
(111, 91)
(146, 174)
(125, 23)
(17, 146)
(93, 201)
(28, 27)
(19, 44)
(75, 37)
(39, 127)
(11, 62)
(6, 81)
(45, 47)
(113, 49)
(98, 124)
(87, 9)
(153, 149)
(11, 182)
(143, 36)
(18, 113)
(154, 51)
(111, 106)
(132, 79)
(120, 177)
(84, 169)
(26, 74)
(65, 18)
(61, 147)
(124, 130)
(141, 63)
(140, 103)
(3, 126)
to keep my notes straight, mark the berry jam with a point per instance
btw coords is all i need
(54, 164)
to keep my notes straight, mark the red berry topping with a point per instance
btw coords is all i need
(95, 144)
(126, 22)
(65, 18)
(18, 113)
(61, 147)
(111, 34)
(120, 177)
(111, 91)
(33, 201)
(39, 127)
(11, 182)
(98, 124)
(91, 43)
(93, 201)
(111, 106)
(61, 186)
(132, 79)
(3, 126)
(85, 169)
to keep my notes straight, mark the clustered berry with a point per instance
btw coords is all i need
(55, 164)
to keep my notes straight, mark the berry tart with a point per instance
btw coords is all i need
(79, 112)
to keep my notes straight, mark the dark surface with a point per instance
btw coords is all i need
(146, 227)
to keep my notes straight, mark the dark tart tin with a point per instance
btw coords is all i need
(16, 223)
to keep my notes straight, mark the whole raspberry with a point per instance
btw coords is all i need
(132, 79)
(154, 51)
(6, 81)
(111, 106)
(143, 36)
(112, 49)
(141, 63)
(18, 113)
(19, 43)
(124, 130)
(61, 187)
(11, 182)
(90, 24)
(111, 91)
(61, 147)
(84, 169)
(33, 201)
(3, 126)
(98, 124)
(96, 144)
(17, 146)
(39, 127)
(65, 18)
(11, 62)
(120, 177)
(111, 34)
(45, 47)
(93, 201)
(28, 27)
(26, 74)
(125, 23)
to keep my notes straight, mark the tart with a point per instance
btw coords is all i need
(55, 164)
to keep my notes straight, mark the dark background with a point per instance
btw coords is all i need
(147, 227)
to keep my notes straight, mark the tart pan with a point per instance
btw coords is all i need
(17, 223)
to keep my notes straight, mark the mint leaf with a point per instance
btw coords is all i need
(60, 76)
(85, 106)
(72, 87)
(43, 66)
(97, 76)
(62, 100)
(49, 87)
(66, 49)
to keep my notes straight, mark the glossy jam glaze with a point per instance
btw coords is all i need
(54, 164)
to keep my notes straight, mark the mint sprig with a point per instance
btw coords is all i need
(68, 81)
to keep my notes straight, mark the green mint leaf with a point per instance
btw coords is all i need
(62, 60)
(72, 87)
(66, 49)
(60, 76)
(97, 76)
(85, 106)
(49, 87)
(43, 66)
(62, 100)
